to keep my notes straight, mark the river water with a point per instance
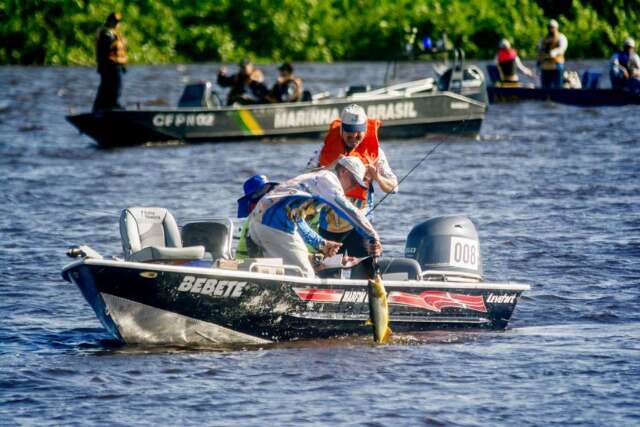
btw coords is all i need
(554, 191)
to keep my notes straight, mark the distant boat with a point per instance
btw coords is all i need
(455, 102)
(590, 96)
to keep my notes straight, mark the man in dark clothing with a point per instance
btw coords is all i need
(288, 88)
(111, 57)
(247, 85)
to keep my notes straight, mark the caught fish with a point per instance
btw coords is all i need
(378, 310)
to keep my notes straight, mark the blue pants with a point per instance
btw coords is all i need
(552, 78)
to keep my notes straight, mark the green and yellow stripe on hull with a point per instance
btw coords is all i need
(248, 123)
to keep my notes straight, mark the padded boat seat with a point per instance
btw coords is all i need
(214, 236)
(151, 234)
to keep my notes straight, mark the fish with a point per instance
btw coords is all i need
(378, 310)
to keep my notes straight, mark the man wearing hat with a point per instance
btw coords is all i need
(509, 64)
(111, 57)
(288, 88)
(277, 224)
(625, 67)
(254, 188)
(246, 85)
(551, 50)
(354, 134)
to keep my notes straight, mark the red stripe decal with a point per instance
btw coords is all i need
(437, 300)
(319, 295)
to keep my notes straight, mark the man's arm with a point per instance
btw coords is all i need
(381, 173)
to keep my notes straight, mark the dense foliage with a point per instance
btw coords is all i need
(160, 31)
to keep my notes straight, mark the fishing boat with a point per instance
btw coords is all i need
(590, 95)
(182, 286)
(453, 103)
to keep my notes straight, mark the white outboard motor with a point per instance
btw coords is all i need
(446, 247)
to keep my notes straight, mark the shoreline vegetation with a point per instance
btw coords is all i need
(62, 32)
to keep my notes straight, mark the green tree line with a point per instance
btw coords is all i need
(177, 31)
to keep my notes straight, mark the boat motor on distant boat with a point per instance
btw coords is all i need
(183, 287)
(454, 103)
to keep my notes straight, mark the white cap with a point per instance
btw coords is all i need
(354, 119)
(629, 43)
(504, 44)
(354, 165)
(553, 23)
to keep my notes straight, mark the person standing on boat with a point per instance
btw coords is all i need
(551, 50)
(277, 224)
(625, 67)
(288, 88)
(509, 64)
(111, 57)
(354, 134)
(254, 189)
(246, 85)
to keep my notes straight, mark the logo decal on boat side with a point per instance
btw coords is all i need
(501, 299)
(437, 300)
(392, 111)
(319, 295)
(211, 287)
(180, 119)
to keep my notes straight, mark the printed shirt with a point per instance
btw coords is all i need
(283, 208)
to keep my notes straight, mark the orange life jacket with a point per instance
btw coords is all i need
(367, 150)
(546, 61)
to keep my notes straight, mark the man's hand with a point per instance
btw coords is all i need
(330, 248)
(375, 248)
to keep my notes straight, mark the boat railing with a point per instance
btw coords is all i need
(447, 275)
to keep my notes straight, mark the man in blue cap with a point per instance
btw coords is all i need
(254, 188)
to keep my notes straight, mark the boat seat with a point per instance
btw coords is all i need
(392, 269)
(214, 236)
(152, 235)
(199, 95)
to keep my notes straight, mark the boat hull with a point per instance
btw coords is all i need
(578, 97)
(403, 117)
(160, 304)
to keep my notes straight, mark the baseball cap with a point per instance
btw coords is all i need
(354, 119)
(354, 165)
(553, 23)
(629, 43)
(254, 188)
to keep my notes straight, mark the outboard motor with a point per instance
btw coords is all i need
(446, 246)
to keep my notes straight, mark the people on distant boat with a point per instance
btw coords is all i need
(278, 226)
(509, 64)
(254, 189)
(551, 50)
(354, 134)
(246, 85)
(288, 87)
(625, 67)
(111, 57)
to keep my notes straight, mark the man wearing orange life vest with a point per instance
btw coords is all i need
(354, 134)
(551, 50)
(111, 57)
(509, 64)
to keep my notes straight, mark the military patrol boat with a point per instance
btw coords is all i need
(183, 287)
(454, 102)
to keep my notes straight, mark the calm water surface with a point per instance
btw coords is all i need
(554, 191)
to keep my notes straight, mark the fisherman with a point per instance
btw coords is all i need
(254, 189)
(277, 224)
(625, 67)
(247, 85)
(551, 50)
(354, 134)
(111, 57)
(288, 87)
(509, 64)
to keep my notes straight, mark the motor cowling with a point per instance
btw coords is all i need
(447, 243)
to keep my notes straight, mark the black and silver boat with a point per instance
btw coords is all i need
(453, 103)
(183, 287)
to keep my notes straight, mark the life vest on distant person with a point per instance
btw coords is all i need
(367, 150)
(110, 47)
(288, 90)
(507, 64)
(546, 61)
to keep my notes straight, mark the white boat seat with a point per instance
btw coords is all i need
(151, 234)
